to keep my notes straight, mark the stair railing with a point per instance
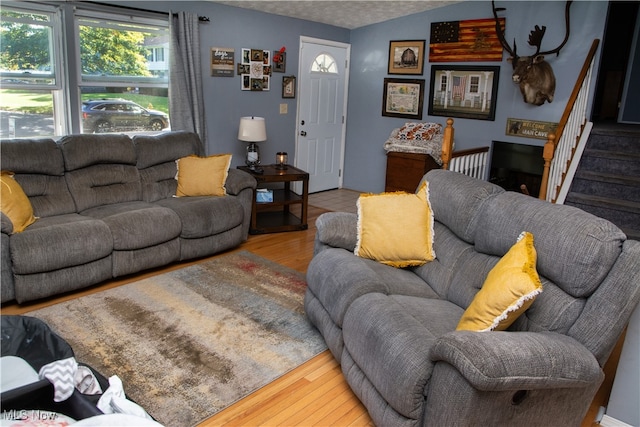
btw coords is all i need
(560, 150)
(471, 162)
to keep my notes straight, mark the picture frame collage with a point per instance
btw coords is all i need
(255, 70)
(465, 91)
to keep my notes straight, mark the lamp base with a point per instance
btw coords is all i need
(253, 157)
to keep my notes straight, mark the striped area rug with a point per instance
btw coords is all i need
(193, 341)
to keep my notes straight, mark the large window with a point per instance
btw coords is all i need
(29, 72)
(123, 82)
(114, 77)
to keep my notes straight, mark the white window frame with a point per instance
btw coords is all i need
(60, 100)
(118, 22)
(66, 61)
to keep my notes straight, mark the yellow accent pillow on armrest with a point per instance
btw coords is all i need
(14, 203)
(396, 228)
(202, 176)
(508, 291)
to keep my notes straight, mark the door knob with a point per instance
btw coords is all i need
(303, 133)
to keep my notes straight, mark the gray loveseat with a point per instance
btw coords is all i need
(394, 330)
(106, 209)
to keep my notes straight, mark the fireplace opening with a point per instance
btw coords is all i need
(514, 165)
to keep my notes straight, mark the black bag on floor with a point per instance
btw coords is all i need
(32, 340)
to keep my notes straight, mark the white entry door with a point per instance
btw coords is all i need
(322, 99)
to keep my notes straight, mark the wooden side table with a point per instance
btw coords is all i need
(277, 216)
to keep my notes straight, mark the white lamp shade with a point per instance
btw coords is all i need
(252, 129)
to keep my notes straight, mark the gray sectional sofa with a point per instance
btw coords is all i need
(106, 209)
(394, 330)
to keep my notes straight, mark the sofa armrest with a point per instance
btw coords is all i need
(6, 226)
(338, 230)
(496, 361)
(238, 180)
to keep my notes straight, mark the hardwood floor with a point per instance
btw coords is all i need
(315, 393)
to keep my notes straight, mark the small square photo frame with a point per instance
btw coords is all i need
(406, 57)
(281, 65)
(257, 55)
(289, 86)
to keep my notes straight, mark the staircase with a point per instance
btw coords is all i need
(607, 181)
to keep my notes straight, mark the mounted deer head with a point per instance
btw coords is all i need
(532, 73)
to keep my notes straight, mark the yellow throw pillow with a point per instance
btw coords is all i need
(14, 203)
(396, 228)
(202, 176)
(508, 291)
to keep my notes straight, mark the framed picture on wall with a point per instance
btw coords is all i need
(406, 57)
(222, 59)
(255, 70)
(403, 98)
(464, 91)
(289, 86)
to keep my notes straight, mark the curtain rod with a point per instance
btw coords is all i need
(200, 18)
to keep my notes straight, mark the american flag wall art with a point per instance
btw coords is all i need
(465, 41)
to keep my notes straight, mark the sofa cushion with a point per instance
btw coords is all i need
(396, 228)
(100, 169)
(104, 184)
(157, 157)
(353, 277)
(61, 241)
(152, 150)
(457, 200)
(14, 203)
(202, 176)
(137, 225)
(508, 291)
(390, 337)
(576, 250)
(452, 259)
(39, 168)
(205, 216)
(83, 150)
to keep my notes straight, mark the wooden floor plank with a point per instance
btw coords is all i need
(305, 401)
(287, 384)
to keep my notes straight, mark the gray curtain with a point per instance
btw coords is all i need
(186, 101)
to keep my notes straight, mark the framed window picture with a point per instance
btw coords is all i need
(403, 98)
(463, 91)
(406, 57)
(289, 86)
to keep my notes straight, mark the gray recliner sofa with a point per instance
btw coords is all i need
(106, 209)
(394, 330)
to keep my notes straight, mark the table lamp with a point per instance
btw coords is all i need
(252, 130)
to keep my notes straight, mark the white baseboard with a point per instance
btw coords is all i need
(608, 421)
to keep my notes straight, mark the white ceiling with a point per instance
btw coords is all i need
(346, 14)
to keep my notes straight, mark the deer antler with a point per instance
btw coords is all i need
(566, 36)
(535, 37)
(500, 32)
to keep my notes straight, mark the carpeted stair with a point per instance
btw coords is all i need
(607, 181)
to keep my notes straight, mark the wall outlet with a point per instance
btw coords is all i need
(284, 108)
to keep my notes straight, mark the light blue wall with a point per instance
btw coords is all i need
(225, 103)
(367, 129)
